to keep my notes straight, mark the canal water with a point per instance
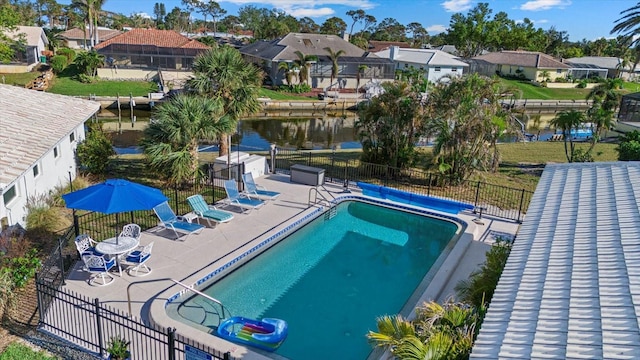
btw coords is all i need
(327, 131)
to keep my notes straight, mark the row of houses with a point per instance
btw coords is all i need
(169, 50)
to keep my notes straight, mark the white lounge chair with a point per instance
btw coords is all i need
(256, 190)
(235, 198)
(170, 221)
(208, 212)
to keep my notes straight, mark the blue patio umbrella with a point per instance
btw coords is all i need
(114, 196)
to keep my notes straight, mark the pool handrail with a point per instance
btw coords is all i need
(190, 288)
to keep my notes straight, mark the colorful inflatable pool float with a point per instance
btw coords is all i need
(266, 334)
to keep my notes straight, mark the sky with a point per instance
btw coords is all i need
(581, 19)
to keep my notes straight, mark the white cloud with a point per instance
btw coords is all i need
(436, 29)
(143, 15)
(539, 5)
(308, 12)
(457, 5)
(310, 8)
(535, 22)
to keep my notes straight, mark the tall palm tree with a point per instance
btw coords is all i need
(91, 10)
(171, 142)
(302, 65)
(629, 24)
(566, 121)
(333, 56)
(222, 73)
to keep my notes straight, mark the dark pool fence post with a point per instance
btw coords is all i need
(226, 356)
(429, 185)
(175, 198)
(309, 159)
(475, 203)
(520, 207)
(39, 300)
(333, 160)
(76, 224)
(96, 302)
(61, 260)
(171, 343)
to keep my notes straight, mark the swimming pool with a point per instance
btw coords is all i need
(331, 278)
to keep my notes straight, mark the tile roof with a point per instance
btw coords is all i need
(571, 286)
(159, 38)
(524, 59)
(78, 34)
(381, 45)
(32, 34)
(32, 122)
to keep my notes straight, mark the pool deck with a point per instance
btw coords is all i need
(200, 254)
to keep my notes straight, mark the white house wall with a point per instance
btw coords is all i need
(53, 171)
(432, 73)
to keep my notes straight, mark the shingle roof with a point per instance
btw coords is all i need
(78, 34)
(32, 122)
(571, 286)
(308, 44)
(524, 59)
(32, 34)
(429, 57)
(159, 38)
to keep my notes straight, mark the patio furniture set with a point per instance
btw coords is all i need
(111, 197)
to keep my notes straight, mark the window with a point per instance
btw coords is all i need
(9, 195)
(559, 71)
(454, 69)
(36, 171)
(72, 137)
(437, 69)
(56, 152)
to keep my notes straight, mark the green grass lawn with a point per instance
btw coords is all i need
(19, 79)
(17, 351)
(278, 95)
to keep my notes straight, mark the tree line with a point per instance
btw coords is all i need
(477, 30)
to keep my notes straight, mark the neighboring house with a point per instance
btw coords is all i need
(629, 108)
(35, 41)
(434, 63)
(76, 38)
(150, 49)
(606, 66)
(375, 46)
(37, 148)
(355, 61)
(527, 64)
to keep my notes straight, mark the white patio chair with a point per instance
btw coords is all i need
(131, 230)
(99, 267)
(86, 245)
(138, 258)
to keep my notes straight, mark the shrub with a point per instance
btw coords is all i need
(42, 218)
(94, 152)
(629, 147)
(69, 54)
(479, 288)
(58, 63)
(86, 79)
(582, 84)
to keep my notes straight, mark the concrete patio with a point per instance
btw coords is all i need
(189, 260)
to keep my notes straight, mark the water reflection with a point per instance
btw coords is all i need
(324, 132)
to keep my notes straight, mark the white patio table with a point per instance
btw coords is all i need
(123, 245)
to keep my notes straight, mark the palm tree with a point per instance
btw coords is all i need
(566, 121)
(222, 73)
(91, 10)
(288, 71)
(171, 142)
(629, 24)
(361, 70)
(333, 56)
(302, 65)
(88, 62)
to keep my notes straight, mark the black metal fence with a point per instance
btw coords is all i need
(89, 324)
(495, 200)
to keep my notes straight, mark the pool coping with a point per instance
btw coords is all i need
(157, 310)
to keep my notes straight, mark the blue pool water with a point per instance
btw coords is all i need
(331, 279)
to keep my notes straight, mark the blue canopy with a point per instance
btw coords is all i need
(115, 196)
